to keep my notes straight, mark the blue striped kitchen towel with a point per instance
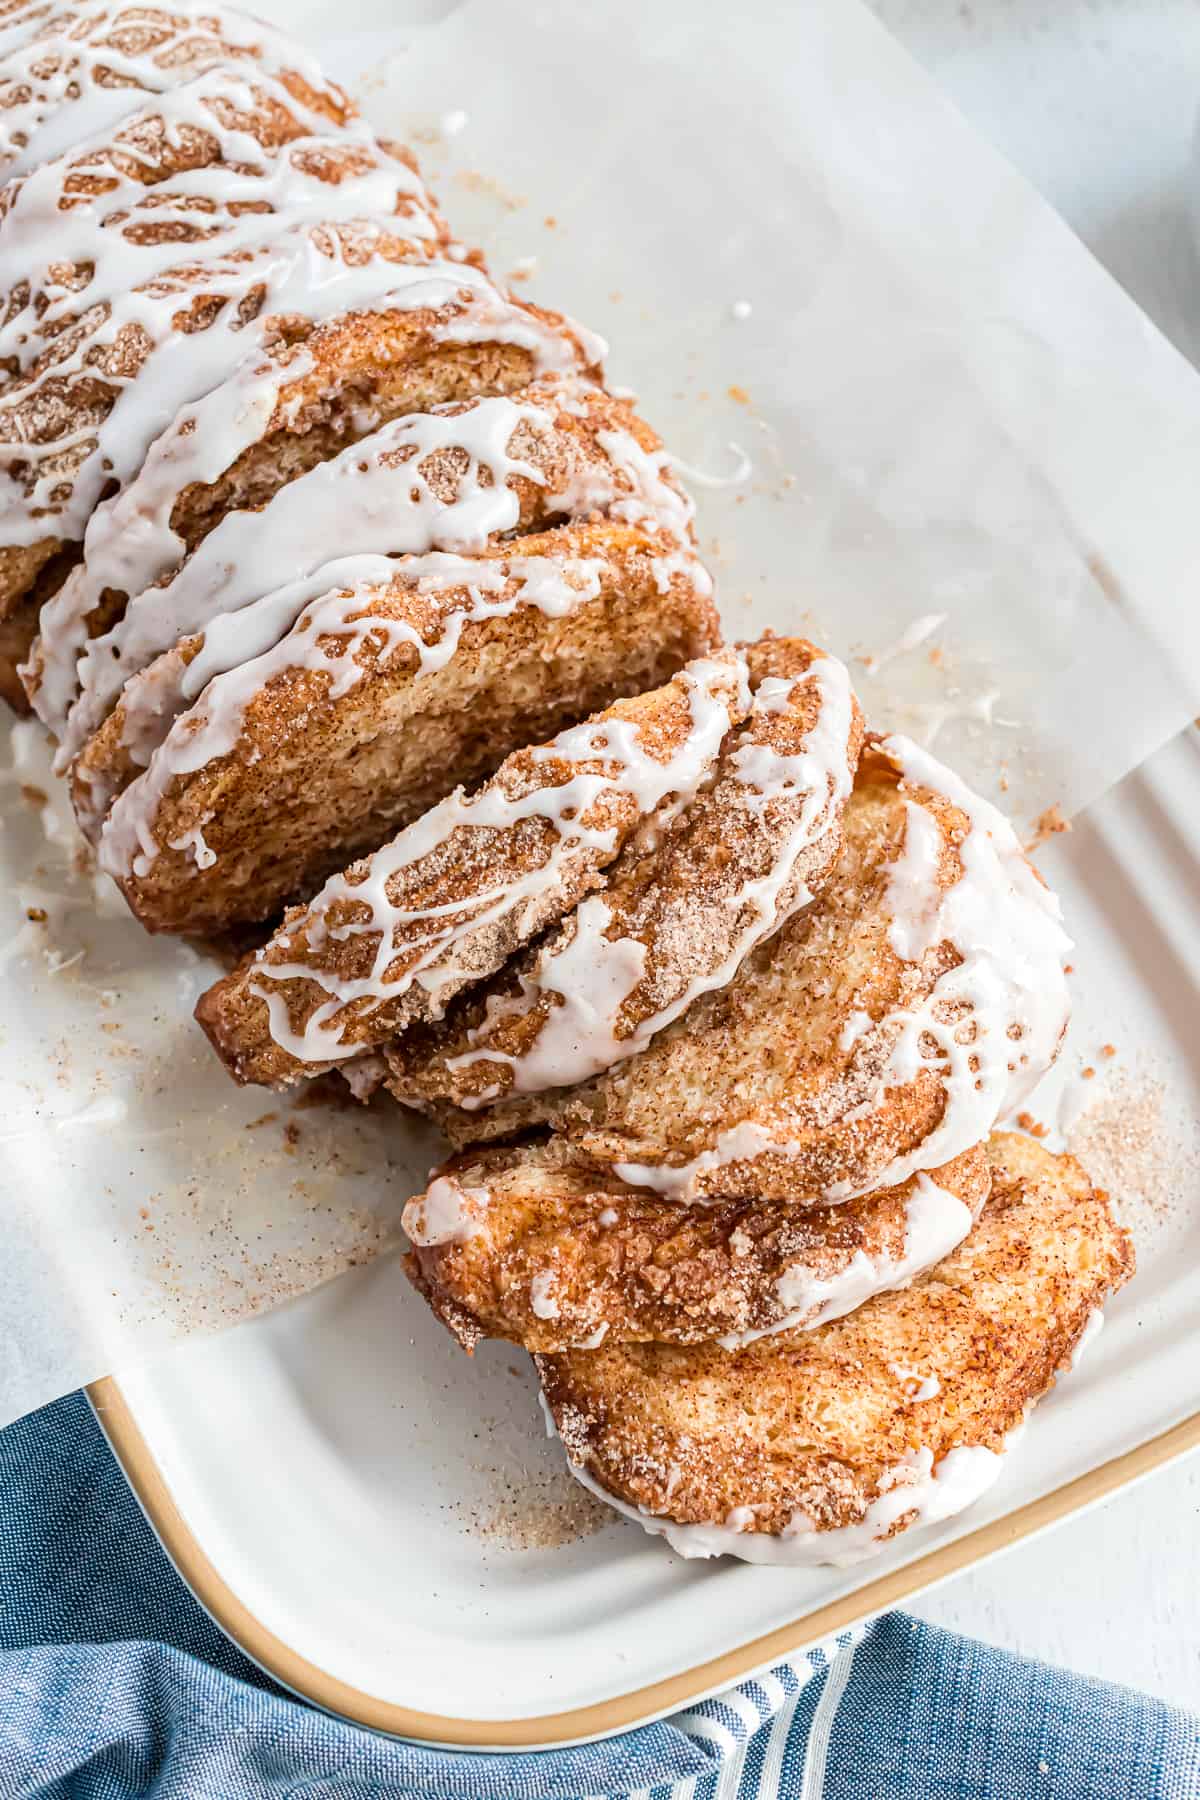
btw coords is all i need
(115, 1684)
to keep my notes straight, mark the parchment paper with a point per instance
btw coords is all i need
(951, 448)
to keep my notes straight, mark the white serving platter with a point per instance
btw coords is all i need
(373, 1516)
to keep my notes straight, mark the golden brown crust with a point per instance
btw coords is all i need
(322, 770)
(772, 1049)
(817, 1422)
(460, 865)
(553, 1254)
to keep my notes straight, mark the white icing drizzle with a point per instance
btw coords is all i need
(1006, 927)
(364, 1076)
(917, 1387)
(650, 498)
(202, 854)
(130, 543)
(446, 1213)
(592, 975)
(626, 768)
(935, 1222)
(375, 494)
(241, 199)
(856, 1026)
(594, 1338)
(933, 1492)
(1088, 1336)
(543, 1302)
(136, 288)
(70, 72)
(332, 604)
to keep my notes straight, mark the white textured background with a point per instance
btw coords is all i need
(1096, 102)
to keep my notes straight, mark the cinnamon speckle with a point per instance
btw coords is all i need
(1048, 824)
(539, 1511)
(1147, 1161)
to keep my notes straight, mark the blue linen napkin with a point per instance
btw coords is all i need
(114, 1684)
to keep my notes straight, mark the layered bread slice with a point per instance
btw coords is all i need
(104, 251)
(447, 901)
(822, 1446)
(70, 72)
(884, 1030)
(458, 478)
(677, 914)
(408, 675)
(404, 336)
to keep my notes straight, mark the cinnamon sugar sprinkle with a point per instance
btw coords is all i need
(1129, 1147)
(539, 1510)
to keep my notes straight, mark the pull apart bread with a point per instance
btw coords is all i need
(365, 617)
(883, 1030)
(248, 738)
(179, 190)
(725, 826)
(447, 901)
(819, 1446)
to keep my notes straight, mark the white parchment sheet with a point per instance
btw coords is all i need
(944, 442)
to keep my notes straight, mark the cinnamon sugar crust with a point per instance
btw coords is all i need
(675, 914)
(475, 879)
(456, 478)
(156, 161)
(787, 1082)
(822, 1423)
(317, 386)
(551, 1254)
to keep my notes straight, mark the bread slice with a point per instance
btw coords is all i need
(527, 1243)
(398, 934)
(820, 1446)
(416, 672)
(457, 478)
(405, 335)
(676, 915)
(884, 1030)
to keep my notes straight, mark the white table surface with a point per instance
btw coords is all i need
(1096, 102)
